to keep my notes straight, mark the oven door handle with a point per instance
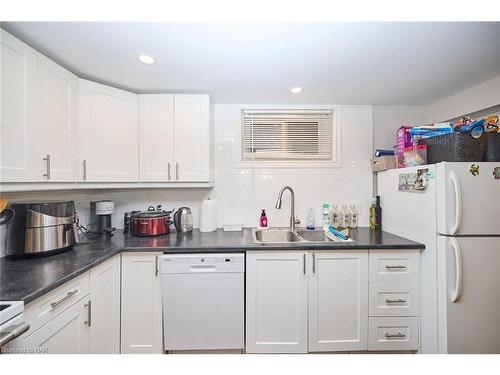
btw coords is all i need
(12, 332)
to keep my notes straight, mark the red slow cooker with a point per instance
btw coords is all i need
(153, 222)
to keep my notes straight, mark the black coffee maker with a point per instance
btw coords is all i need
(100, 217)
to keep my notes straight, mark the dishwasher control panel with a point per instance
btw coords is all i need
(202, 263)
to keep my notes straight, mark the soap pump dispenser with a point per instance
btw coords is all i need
(263, 220)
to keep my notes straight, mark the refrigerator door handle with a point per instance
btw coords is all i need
(458, 202)
(457, 252)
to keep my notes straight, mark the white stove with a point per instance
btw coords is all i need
(12, 322)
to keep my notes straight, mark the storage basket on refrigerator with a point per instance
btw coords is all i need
(492, 150)
(454, 147)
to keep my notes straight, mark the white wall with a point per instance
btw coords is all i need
(388, 118)
(242, 192)
(474, 99)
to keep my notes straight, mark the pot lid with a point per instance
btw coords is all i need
(150, 213)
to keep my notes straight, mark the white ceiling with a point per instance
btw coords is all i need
(360, 63)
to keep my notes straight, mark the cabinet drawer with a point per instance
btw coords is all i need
(394, 266)
(390, 333)
(50, 305)
(394, 299)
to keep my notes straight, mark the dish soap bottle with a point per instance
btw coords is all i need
(310, 219)
(263, 220)
(325, 216)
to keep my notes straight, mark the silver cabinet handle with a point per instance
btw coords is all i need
(84, 169)
(314, 262)
(398, 267)
(67, 296)
(156, 265)
(47, 159)
(176, 171)
(394, 335)
(398, 300)
(88, 322)
(304, 261)
(168, 170)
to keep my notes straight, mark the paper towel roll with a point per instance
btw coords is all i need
(208, 216)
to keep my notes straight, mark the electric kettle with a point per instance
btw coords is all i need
(183, 221)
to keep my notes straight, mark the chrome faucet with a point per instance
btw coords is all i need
(293, 219)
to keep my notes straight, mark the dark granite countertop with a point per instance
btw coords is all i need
(28, 279)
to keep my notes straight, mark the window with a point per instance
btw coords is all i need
(288, 135)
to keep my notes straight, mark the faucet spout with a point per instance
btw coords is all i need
(293, 220)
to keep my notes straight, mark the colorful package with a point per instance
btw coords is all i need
(404, 141)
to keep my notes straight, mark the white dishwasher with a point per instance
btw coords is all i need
(203, 301)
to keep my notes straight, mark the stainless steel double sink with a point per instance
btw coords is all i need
(289, 236)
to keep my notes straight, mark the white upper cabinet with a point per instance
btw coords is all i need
(18, 160)
(156, 138)
(108, 134)
(57, 129)
(276, 302)
(192, 138)
(338, 301)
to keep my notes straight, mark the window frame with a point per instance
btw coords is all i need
(335, 162)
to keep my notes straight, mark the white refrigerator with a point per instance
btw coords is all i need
(457, 217)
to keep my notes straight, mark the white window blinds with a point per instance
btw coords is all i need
(287, 135)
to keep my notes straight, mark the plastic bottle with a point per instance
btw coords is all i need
(310, 219)
(325, 215)
(346, 217)
(335, 217)
(354, 217)
(372, 215)
(263, 219)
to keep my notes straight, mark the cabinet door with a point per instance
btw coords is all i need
(338, 301)
(57, 130)
(141, 325)
(108, 131)
(276, 302)
(156, 137)
(105, 307)
(18, 150)
(67, 333)
(192, 137)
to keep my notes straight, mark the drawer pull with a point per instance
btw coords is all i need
(394, 335)
(398, 300)
(88, 322)
(67, 296)
(398, 267)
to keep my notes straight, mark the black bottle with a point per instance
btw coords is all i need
(378, 214)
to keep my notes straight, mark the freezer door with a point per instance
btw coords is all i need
(469, 294)
(467, 204)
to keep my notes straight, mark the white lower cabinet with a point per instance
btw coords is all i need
(67, 333)
(394, 333)
(291, 293)
(338, 301)
(141, 321)
(331, 301)
(276, 302)
(105, 307)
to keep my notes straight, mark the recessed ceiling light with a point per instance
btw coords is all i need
(296, 90)
(146, 59)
